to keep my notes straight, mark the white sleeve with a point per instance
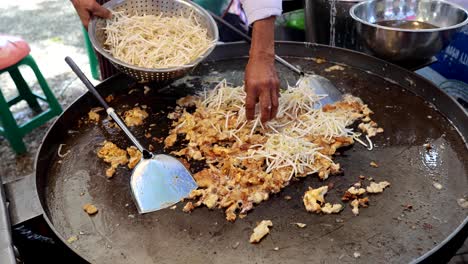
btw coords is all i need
(260, 9)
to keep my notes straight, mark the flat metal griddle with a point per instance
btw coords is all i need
(384, 232)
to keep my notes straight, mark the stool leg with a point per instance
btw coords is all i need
(93, 62)
(11, 130)
(23, 89)
(53, 103)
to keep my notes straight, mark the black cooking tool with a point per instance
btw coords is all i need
(403, 223)
(157, 181)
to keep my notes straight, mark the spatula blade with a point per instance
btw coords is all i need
(160, 182)
(321, 85)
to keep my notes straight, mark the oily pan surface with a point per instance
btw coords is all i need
(383, 232)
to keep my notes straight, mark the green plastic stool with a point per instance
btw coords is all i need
(93, 62)
(13, 132)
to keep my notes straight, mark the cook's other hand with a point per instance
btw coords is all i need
(261, 79)
(88, 8)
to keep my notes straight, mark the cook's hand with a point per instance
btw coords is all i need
(88, 8)
(261, 85)
(261, 80)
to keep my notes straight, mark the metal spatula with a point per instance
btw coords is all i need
(319, 84)
(158, 181)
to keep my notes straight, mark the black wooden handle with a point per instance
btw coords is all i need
(85, 81)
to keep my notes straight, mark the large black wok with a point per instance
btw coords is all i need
(405, 222)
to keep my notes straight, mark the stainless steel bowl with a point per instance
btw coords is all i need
(391, 42)
(97, 34)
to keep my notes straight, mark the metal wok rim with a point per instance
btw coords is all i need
(36, 161)
(438, 29)
(421, 259)
(382, 61)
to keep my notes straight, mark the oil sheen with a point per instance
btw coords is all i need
(406, 24)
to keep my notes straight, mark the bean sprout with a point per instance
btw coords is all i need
(59, 151)
(151, 41)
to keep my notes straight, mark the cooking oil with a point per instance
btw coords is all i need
(406, 24)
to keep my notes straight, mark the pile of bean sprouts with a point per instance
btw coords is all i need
(151, 41)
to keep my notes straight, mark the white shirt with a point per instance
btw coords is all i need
(260, 9)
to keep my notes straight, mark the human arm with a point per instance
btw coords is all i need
(261, 79)
(88, 8)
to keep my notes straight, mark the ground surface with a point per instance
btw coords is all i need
(53, 30)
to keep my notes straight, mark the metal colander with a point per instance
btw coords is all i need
(97, 34)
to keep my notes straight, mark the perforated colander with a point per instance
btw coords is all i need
(97, 34)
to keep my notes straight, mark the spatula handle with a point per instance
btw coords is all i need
(86, 81)
(110, 111)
